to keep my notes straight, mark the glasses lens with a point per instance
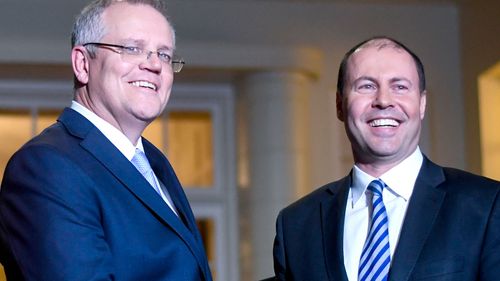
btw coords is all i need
(137, 55)
(135, 58)
(177, 65)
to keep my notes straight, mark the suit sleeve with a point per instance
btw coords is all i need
(50, 214)
(490, 259)
(279, 251)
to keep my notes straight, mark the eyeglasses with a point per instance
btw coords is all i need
(135, 54)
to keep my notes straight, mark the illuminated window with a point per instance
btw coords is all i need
(16, 127)
(186, 139)
(206, 226)
(489, 100)
(19, 126)
(46, 118)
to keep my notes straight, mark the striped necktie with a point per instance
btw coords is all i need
(141, 162)
(376, 257)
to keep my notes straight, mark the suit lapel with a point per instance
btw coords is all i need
(106, 153)
(332, 220)
(422, 211)
(166, 174)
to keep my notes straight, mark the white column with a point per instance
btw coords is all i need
(274, 107)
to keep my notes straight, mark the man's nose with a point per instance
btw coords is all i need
(152, 61)
(383, 98)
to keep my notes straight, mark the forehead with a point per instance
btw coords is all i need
(381, 59)
(136, 22)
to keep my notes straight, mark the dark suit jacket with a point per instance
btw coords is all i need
(72, 207)
(451, 231)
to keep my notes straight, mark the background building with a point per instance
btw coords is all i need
(252, 124)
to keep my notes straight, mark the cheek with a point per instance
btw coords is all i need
(355, 108)
(416, 109)
(168, 79)
(119, 69)
(167, 82)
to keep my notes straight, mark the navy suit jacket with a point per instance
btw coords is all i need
(451, 231)
(72, 207)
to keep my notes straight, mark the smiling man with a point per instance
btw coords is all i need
(397, 215)
(89, 198)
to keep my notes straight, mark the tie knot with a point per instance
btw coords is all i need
(376, 186)
(141, 162)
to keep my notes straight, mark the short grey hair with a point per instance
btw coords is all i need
(88, 26)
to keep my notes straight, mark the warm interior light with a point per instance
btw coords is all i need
(489, 116)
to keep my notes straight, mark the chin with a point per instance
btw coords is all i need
(147, 114)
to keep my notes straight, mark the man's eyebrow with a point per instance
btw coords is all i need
(166, 47)
(132, 41)
(142, 43)
(365, 78)
(399, 79)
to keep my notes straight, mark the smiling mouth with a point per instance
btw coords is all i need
(384, 123)
(144, 84)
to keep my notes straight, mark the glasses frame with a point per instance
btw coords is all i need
(176, 63)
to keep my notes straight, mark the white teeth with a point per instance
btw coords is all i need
(384, 122)
(145, 84)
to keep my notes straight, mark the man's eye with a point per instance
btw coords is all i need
(165, 57)
(400, 87)
(131, 50)
(366, 87)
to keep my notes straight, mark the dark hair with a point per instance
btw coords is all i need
(383, 41)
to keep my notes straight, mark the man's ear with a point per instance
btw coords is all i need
(80, 63)
(340, 110)
(423, 103)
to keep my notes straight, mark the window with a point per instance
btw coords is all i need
(18, 126)
(186, 137)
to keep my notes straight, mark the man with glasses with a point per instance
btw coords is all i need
(89, 198)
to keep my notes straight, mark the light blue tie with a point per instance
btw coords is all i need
(376, 257)
(141, 162)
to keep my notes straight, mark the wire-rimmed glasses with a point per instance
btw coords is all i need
(136, 54)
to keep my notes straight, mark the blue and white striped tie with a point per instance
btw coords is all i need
(376, 257)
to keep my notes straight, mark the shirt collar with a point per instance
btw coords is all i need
(400, 179)
(115, 136)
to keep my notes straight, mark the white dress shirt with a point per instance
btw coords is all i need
(400, 181)
(118, 139)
